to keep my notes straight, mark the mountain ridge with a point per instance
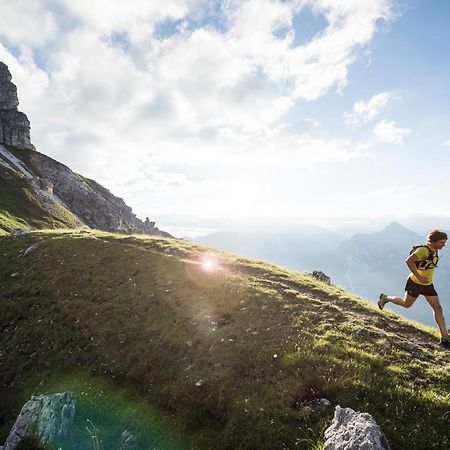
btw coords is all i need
(39, 192)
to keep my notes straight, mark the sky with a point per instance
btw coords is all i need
(207, 115)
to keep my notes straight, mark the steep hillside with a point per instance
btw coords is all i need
(201, 349)
(364, 264)
(24, 203)
(39, 192)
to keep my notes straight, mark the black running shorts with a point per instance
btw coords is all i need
(414, 289)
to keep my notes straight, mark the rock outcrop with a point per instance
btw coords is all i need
(321, 276)
(352, 430)
(44, 417)
(14, 125)
(67, 197)
(95, 205)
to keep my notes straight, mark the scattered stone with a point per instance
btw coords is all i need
(18, 232)
(324, 402)
(125, 439)
(321, 276)
(411, 346)
(198, 382)
(352, 430)
(15, 274)
(29, 250)
(48, 416)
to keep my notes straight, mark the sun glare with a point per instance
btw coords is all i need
(210, 263)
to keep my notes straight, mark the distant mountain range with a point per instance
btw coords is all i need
(365, 264)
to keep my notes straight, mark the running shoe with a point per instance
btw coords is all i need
(383, 300)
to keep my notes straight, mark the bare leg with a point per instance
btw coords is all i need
(438, 315)
(407, 301)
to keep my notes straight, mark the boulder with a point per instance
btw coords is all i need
(321, 276)
(44, 417)
(352, 430)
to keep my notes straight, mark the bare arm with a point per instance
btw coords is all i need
(410, 262)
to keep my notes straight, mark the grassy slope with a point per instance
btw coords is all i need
(138, 317)
(19, 207)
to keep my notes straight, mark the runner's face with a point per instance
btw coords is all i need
(440, 244)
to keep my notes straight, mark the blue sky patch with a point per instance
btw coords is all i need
(307, 25)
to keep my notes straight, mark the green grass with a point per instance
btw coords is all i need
(233, 359)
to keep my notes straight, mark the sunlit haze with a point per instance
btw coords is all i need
(205, 115)
(210, 263)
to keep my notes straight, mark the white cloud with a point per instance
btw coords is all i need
(446, 143)
(364, 111)
(137, 18)
(309, 71)
(27, 22)
(389, 132)
(120, 104)
(244, 77)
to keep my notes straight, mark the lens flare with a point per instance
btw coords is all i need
(210, 263)
(208, 270)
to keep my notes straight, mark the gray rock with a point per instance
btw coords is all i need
(44, 416)
(29, 250)
(352, 430)
(8, 90)
(126, 439)
(95, 205)
(321, 276)
(14, 125)
(19, 232)
(324, 402)
(410, 346)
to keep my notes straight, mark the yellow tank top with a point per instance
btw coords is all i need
(422, 253)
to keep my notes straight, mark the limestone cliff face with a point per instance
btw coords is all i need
(87, 199)
(14, 125)
(55, 187)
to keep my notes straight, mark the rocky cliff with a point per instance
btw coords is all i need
(14, 125)
(57, 196)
